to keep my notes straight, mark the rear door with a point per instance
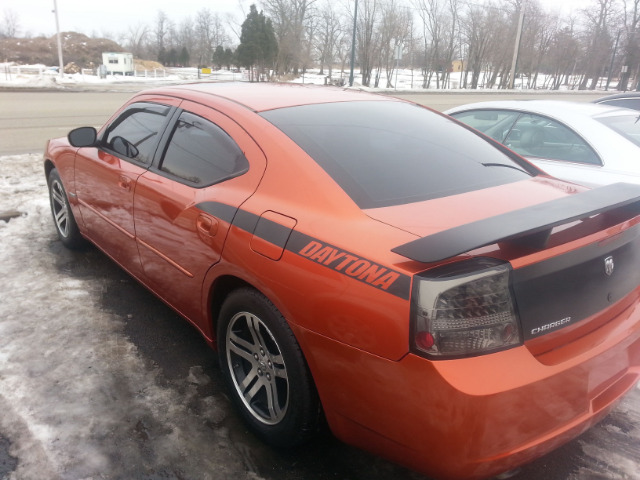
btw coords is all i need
(185, 203)
(106, 178)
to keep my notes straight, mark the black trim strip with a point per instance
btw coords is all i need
(313, 249)
(272, 232)
(526, 222)
(221, 211)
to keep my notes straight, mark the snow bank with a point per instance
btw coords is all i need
(77, 399)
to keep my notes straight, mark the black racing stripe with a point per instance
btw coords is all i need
(272, 232)
(246, 221)
(263, 228)
(346, 263)
(222, 211)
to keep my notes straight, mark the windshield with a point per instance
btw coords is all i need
(391, 153)
(626, 125)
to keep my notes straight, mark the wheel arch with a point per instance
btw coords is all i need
(220, 289)
(218, 292)
(48, 166)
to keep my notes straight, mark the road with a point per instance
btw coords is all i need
(174, 351)
(29, 118)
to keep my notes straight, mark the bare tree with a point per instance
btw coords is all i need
(367, 40)
(10, 24)
(209, 33)
(135, 38)
(329, 31)
(538, 33)
(599, 18)
(393, 29)
(451, 33)
(291, 24)
(631, 15)
(160, 33)
(186, 37)
(477, 25)
(562, 58)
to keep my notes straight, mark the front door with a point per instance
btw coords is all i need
(184, 205)
(106, 178)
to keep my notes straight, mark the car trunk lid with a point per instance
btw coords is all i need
(573, 258)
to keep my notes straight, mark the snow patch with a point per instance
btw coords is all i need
(77, 400)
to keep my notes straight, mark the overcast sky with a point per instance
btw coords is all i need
(116, 16)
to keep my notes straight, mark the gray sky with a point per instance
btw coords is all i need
(116, 16)
(113, 16)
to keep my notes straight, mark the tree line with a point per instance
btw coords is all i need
(284, 38)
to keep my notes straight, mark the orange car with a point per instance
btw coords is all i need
(439, 300)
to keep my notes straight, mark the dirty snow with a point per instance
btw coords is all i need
(77, 401)
(42, 76)
(403, 80)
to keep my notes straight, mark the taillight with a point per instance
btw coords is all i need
(464, 309)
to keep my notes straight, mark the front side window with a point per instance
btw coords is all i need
(201, 153)
(493, 123)
(135, 133)
(542, 137)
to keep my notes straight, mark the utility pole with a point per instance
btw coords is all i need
(516, 49)
(55, 10)
(353, 44)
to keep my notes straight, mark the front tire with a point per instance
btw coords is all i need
(63, 218)
(265, 370)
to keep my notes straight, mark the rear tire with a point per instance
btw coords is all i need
(63, 218)
(265, 370)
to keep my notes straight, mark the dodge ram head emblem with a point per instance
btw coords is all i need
(608, 266)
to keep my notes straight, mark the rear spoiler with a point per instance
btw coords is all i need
(530, 226)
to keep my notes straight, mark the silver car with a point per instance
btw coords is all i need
(584, 143)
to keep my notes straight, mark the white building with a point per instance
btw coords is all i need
(118, 63)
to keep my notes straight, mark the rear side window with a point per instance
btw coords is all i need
(543, 137)
(136, 132)
(200, 153)
(385, 153)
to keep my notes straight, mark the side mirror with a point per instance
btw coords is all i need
(83, 137)
(124, 147)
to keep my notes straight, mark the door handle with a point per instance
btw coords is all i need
(207, 225)
(124, 183)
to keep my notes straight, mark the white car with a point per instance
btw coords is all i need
(584, 143)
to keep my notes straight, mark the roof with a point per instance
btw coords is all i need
(618, 95)
(260, 97)
(554, 108)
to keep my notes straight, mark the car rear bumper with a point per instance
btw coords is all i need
(476, 417)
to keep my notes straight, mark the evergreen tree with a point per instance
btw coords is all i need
(258, 45)
(163, 56)
(218, 57)
(229, 57)
(184, 58)
(172, 57)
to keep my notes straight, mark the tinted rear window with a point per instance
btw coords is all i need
(391, 153)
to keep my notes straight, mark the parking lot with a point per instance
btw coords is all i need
(99, 379)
